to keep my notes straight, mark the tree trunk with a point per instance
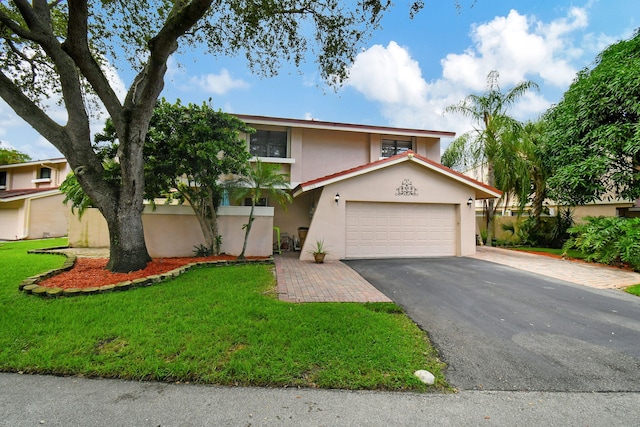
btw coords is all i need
(127, 251)
(246, 233)
(490, 209)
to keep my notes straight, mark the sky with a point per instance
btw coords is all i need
(406, 73)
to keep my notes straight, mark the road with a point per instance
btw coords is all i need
(499, 328)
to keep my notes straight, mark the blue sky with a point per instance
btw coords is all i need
(407, 73)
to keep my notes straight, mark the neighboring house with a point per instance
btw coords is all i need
(30, 202)
(610, 206)
(365, 191)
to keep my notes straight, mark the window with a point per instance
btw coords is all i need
(268, 143)
(262, 202)
(3, 180)
(45, 173)
(391, 147)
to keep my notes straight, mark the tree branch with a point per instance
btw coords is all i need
(77, 47)
(29, 111)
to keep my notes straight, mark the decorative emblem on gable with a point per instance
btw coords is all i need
(406, 189)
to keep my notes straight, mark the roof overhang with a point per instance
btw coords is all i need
(34, 163)
(345, 127)
(482, 191)
(16, 195)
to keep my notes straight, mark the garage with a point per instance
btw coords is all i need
(393, 230)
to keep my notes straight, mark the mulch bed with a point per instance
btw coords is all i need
(90, 272)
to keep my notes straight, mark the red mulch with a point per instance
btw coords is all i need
(90, 272)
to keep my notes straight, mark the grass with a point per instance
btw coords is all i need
(220, 325)
(634, 290)
(571, 253)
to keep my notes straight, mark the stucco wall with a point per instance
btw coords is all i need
(328, 223)
(9, 223)
(173, 231)
(326, 152)
(49, 217)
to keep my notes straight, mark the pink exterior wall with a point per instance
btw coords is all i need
(173, 231)
(325, 152)
(23, 176)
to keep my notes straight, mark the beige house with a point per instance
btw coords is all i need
(365, 191)
(30, 203)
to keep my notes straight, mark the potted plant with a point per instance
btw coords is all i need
(318, 251)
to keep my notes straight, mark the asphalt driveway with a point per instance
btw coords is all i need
(499, 328)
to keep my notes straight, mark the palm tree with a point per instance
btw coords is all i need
(263, 180)
(491, 140)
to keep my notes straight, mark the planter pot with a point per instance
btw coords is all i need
(319, 257)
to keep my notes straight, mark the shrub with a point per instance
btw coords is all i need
(548, 232)
(608, 240)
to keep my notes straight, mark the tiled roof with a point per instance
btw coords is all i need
(23, 193)
(407, 156)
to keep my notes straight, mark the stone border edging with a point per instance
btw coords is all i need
(30, 284)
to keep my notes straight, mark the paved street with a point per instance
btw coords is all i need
(27, 401)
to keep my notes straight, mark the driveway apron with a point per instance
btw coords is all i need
(499, 328)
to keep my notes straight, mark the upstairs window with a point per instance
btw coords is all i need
(3, 180)
(391, 147)
(268, 143)
(45, 173)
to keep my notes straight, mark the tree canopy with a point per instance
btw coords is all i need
(594, 131)
(10, 156)
(192, 149)
(67, 50)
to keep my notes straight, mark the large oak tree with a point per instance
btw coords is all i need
(65, 48)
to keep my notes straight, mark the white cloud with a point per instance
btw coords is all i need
(219, 84)
(388, 75)
(519, 47)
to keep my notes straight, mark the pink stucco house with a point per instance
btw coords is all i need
(369, 191)
(365, 191)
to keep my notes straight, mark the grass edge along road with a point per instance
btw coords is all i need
(221, 326)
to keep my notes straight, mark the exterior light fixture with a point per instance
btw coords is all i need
(337, 198)
(469, 202)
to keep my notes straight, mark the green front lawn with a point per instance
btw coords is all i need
(219, 325)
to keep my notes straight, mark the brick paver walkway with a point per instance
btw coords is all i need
(332, 281)
(582, 273)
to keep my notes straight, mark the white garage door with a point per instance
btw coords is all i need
(388, 230)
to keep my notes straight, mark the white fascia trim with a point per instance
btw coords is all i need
(286, 160)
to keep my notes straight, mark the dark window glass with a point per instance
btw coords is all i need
(269, 143)
(262, 202)
(45, 173)
(3, 179)
(392, 147)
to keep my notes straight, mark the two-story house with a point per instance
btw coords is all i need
(365, 191)
(30, 202)
(369, 191)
